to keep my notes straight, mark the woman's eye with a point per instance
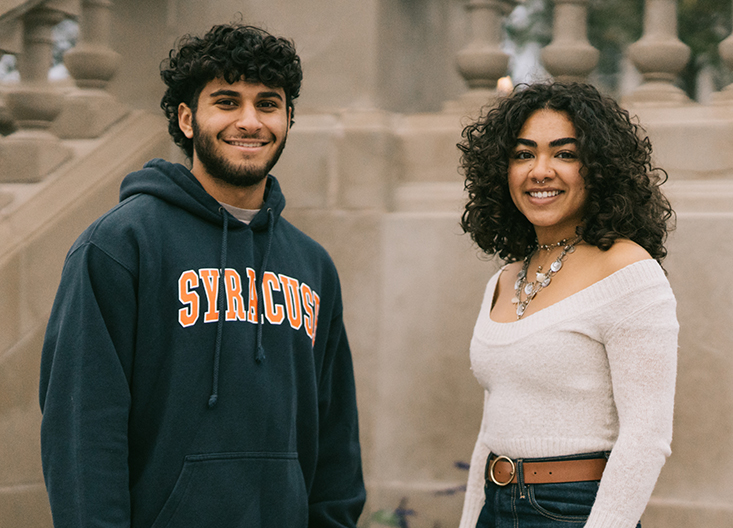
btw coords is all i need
(567, 155)
(522, 155)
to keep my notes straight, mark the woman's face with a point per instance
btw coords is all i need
(545, 180)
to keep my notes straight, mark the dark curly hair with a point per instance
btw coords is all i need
(624, 199)
(230, 52)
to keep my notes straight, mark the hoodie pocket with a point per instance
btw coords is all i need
(233, 490)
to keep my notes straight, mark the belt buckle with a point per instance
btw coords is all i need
(492, 464)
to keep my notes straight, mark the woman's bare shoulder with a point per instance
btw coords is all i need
(623, 253)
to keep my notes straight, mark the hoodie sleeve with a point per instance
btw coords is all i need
(85, 391)
(337, 495)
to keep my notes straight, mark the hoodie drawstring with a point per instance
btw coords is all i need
(221, 286)
(259, 349)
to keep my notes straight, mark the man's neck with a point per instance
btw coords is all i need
(250, 197)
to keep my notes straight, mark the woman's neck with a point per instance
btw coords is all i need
(550, 237)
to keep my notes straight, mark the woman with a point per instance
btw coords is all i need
(576, 339)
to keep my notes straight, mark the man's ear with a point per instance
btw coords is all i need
(185, 120)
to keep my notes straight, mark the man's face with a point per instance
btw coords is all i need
(238, 130)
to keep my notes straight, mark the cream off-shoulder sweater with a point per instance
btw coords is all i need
(593, 372)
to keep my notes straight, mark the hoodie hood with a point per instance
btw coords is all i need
(175, 184)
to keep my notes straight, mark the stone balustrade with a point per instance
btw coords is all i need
(32, 151)
(42, 112)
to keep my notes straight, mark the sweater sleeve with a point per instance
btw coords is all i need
(474, 500)
(84, 392)
(642, 356)
(337, 496)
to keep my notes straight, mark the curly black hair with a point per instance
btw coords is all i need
(230, 52)
(624, 198)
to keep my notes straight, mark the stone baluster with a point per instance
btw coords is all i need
(659, 56)
(482, 62)
(89, 109)
(7, 125)
(570, 57)
(725, 48)
(11, 43)
(32, 151)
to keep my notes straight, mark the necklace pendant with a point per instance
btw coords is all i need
(541, 277)
(520, 310)
(556, 266)
(515, 300)
(528, 288)
(546, 282)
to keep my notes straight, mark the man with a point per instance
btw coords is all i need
(196, 371)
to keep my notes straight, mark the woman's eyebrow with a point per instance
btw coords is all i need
(563, 141)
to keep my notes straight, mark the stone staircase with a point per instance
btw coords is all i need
(36, 230)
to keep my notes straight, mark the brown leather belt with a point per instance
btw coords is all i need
(502, 470)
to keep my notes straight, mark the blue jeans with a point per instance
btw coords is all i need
(539, 505)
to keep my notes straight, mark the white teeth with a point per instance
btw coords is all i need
(544, 194)
(248, 145)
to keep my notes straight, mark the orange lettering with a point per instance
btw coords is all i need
(308, 313)
(189, 314)
(316, 308)
(292, 301)
(274, 312)
(210, 278)
(252, 313)
(235, 302)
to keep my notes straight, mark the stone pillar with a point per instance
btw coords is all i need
(89, 109)
(31, 152)
(570, 57)
(482, 62)
(659, 56)
(725, 48)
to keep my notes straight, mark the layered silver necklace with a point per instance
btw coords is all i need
(543, 279)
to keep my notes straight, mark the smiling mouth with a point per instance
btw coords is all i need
(543, 194)
(246, 143)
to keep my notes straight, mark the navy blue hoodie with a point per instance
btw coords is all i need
(174, 395)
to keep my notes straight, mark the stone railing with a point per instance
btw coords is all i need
(43, 113)
(659, 55)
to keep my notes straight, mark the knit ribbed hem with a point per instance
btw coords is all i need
(605, 519)
(537, 447)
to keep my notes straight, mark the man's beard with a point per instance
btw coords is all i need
(246, 174)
